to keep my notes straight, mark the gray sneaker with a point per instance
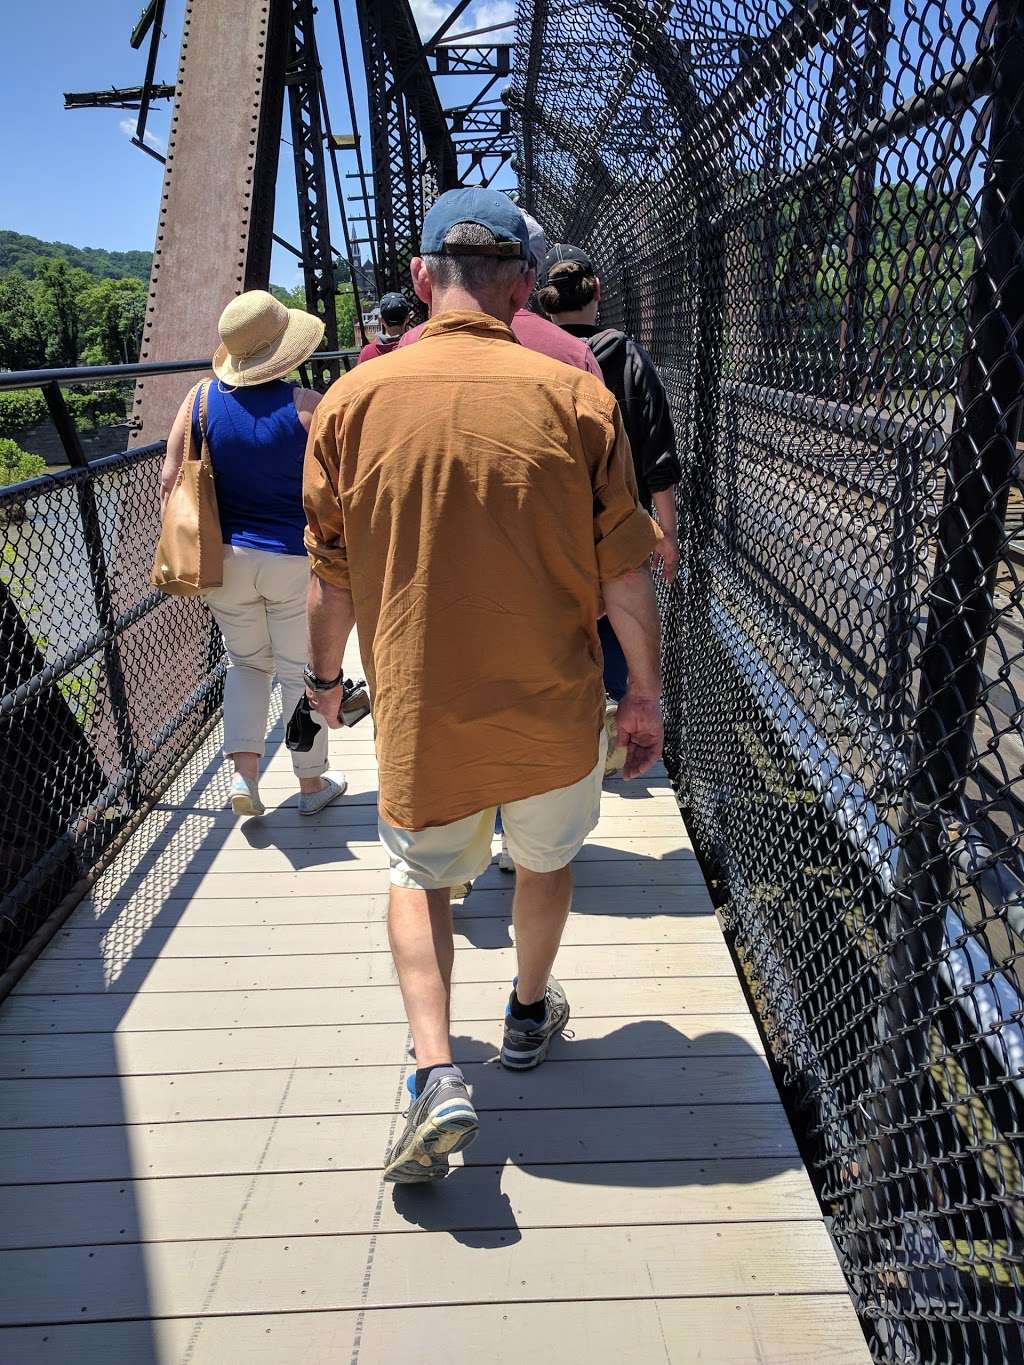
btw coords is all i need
(312, 803)
(440, 1122)
(525, 1045)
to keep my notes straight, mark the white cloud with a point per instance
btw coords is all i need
(154, 140)
(430, 15)
(493, 12)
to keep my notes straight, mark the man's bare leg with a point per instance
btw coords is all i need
(539, 911)
(420, 932)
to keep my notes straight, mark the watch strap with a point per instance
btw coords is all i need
(318, 684)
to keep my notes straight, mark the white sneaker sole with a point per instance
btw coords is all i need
(425, 1156)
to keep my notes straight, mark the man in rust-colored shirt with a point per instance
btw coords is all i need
(468, 503)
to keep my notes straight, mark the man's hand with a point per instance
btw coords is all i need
(327, 705)
(667, 551)
(640, 729)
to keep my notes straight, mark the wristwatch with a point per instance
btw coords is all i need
(317, 684)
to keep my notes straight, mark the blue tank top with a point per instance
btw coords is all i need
(257, 445)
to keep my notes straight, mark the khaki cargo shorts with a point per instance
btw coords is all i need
(543, 834)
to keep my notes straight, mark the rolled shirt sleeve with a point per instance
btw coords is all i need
(624, 535)
(325, 519)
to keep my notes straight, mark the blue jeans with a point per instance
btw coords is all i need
(616, 674)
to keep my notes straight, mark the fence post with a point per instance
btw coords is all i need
(92, 532)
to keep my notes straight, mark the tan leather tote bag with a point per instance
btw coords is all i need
(190, 552)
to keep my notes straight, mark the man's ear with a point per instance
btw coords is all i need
(597, 289)
(420, 280)
(523, 288)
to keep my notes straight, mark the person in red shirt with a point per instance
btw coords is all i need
(533, 331)
(395, 312)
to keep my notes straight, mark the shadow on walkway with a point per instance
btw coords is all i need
(582, 1124)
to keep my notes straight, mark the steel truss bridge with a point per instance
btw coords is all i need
(812, 216)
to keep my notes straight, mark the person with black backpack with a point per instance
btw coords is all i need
(571, 295)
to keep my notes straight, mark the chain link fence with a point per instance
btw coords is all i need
(106, 684)
(813, 217)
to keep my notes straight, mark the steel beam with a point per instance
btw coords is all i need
(117, 97)
(305, 110)
(413, 157)
(217, 173)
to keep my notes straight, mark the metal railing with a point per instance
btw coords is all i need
(106, 685)
(813, 217)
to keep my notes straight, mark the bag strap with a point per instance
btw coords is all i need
(605, 334)
(198, 435)
(204, 398)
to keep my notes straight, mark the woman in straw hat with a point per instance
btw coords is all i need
(257, 422)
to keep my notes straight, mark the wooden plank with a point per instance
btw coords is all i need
(347, 854)
(281, 787)
(267, 940)
(118, 973)
(316, 1273)
(347, 812)
(327, 833)
(345, 745)
(360, 881)
(222, 1078)
(358, 1141)
(281, 784)
(803, 1329)
(371, 1090)
(139, 1054)
(27, 1013)
(338, 1203)
(141, 913)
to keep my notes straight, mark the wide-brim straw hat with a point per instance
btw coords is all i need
(262, 340)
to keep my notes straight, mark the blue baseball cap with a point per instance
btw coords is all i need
(394, 306)
(488, 209)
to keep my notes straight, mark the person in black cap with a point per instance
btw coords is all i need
(395, 312)
(571, 295)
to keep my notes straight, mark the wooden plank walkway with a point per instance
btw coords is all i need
(202, 1072)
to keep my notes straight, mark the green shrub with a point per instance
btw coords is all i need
(17, 465)
(98, 406)
(25, 408)
(90, 407)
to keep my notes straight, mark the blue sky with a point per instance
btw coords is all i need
(74, 176)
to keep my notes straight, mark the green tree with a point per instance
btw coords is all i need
(345, 303)
(291, 298)
(115, 313)
(62, 291)
(17, 465)
(24, 328)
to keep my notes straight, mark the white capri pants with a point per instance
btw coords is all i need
(261, 611)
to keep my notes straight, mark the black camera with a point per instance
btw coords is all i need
(302, 728)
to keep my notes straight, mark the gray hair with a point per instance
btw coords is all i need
(476, 274)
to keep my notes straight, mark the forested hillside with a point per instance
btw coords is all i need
(21, 253)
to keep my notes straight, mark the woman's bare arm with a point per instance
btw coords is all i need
(305, 405)
(175, 450)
